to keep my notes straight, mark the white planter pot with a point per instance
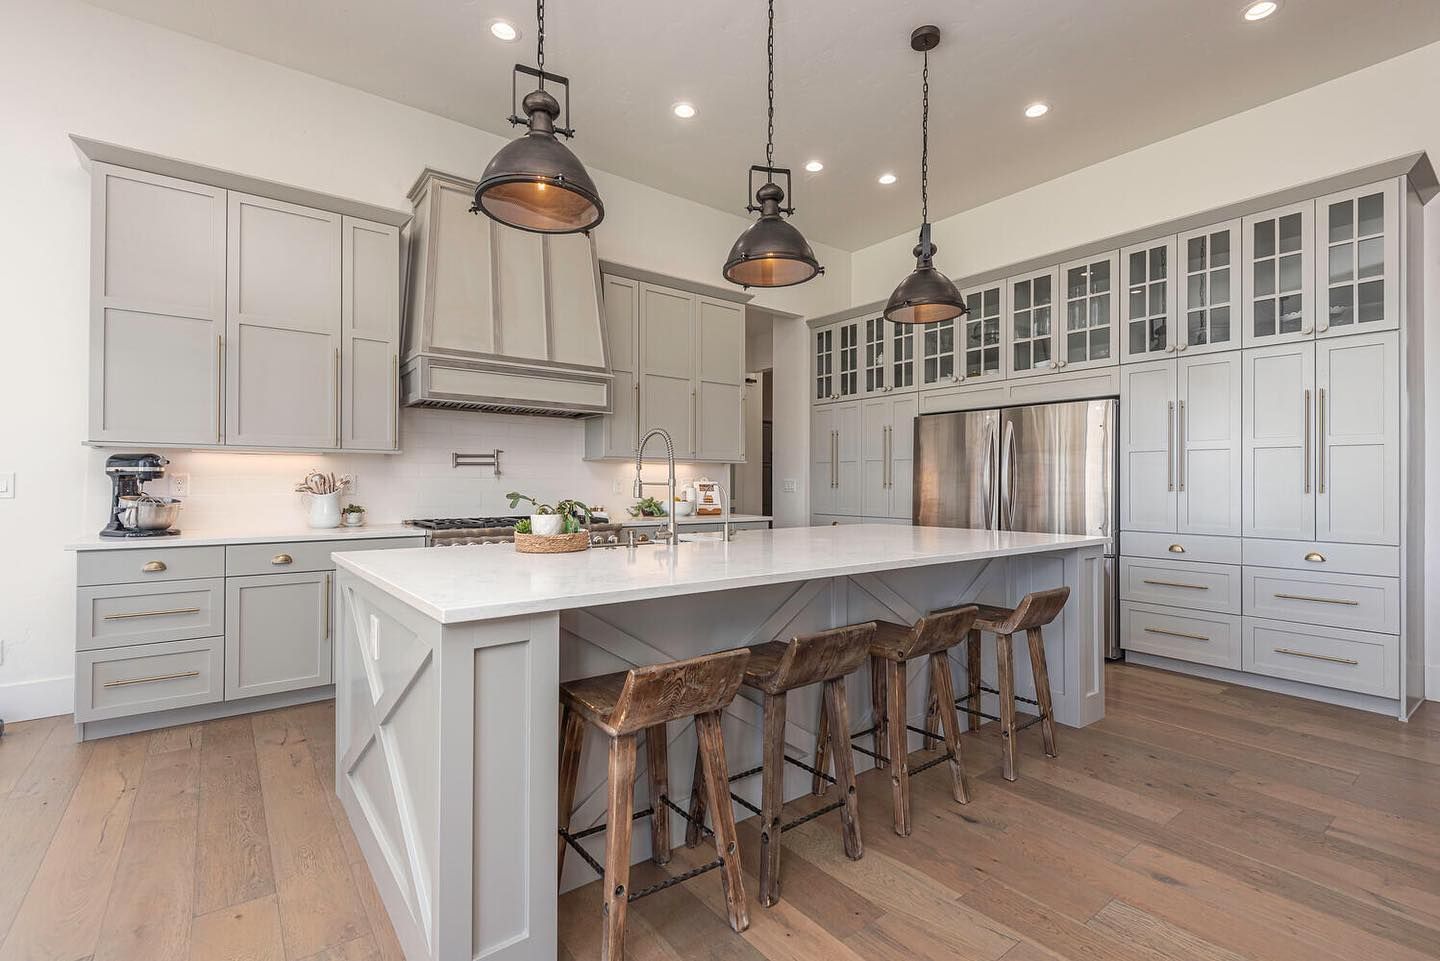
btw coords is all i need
(324, 510)
(545, 524)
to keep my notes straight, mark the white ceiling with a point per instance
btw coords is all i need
(1119, 74)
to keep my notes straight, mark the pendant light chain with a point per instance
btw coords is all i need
(540, 40)
(770, 91)
(925, 142)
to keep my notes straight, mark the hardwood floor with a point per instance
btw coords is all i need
(1197, 822)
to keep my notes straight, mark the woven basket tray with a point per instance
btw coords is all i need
(551, 543)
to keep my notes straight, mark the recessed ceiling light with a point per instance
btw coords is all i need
(683, 110)
(887, 179)
(504, 30)
(1037, 109)
(1261, 9)
(814, 166)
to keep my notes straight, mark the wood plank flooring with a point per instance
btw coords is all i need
(1197, 822)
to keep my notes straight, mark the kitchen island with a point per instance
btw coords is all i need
(448, 664)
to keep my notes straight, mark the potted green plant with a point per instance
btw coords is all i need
(352, 515)
(548, 520)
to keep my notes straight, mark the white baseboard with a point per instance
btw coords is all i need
(47, 697)
(1432, 682)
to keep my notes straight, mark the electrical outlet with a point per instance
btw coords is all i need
(790, 486)
(354, 484)
(179, 485)
(617, 486)
(7, 484)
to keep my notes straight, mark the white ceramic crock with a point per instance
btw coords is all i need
(324, 510)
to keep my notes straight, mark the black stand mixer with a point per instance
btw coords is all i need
(127, 472)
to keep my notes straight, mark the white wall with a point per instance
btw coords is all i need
(1375, 114)
(69, 68)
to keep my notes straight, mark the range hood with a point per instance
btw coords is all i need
(498, 319)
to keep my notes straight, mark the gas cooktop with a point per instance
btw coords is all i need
(462, 523)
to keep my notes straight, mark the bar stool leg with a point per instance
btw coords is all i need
(879, 672)
(617, 847)
(944, 687)
(818, 785)
(1042, 688)
(717, 783)
(572, 736)
(657, 759)
(772, 784)
(972, 671)
(696, 820)
(1005, 666)
(932, 717)
(895, 719)
(838, 708)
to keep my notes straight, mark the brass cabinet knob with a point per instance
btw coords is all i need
(153, 567)
(1315, 557)
(282, 559)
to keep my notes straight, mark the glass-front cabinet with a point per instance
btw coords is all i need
(902, 355)
(937, 354)
(1357, 239)
(1277, 287)
(872, 356)
(1088, 338)
(822, 364)
(1208, 288)
(1147, 278)
(980, 348)
(887, 356)
(1032, 322)
(847, 360)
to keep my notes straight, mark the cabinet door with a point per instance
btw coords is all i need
(667, 359)
(157, 282)
(1147, 447)
(847, 360)
(572, 301)
(902, 456)
(1207, 420)
(937, 353)
(622, 324)
(720, 380)
(1357, 427)
(1032, 323)
(822, 370)
(370, 335)
(875, 457)
(457, 251)
(1357, 272)
(874, 368)
(1208, 289)
(902, 355)
(277, 633)
(980, 340)
(1276, 287)
(1278, 396)
(1089, 336)
(823, 458)
(1148, 281)
(847, 459)
(518, 259)
(282, 351)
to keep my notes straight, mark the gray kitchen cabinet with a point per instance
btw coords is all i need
(369, 338)
(886, 444)
(719, 380)
(617, 434)
(277, 633)
(157, 280)
(282, 358)
(667, 364)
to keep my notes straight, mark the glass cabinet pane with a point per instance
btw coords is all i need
(874, 354)
(981, 338)
(824, 363)
(1030, 317)
(937, 342)
(1207, 293)
(902, 354)
(1148, 298)
(1356, 270)
(1087, 311)
(1278, 261)
(849, 360)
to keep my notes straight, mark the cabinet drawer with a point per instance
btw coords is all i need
(1329, 656)
(135, 565)
(1181, 547)
(1319, 556)
(1333, 600)
(117, 614)
(1195, 636)
(142, 678)
(279, 558)
(1187, 584)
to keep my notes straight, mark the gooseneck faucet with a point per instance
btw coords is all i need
(641, 483)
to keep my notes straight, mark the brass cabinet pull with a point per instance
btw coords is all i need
(1192, 587)
(1176, 549)
(1188, 637)
(279, 559)
(178, 610)
(1318, 600)
(1315, 557)
(153, 567)
(1317, 657)
(154, 677)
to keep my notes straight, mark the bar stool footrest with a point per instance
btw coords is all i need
(574, 841)
(990, 690)
(659, 886)
(947, 756)
(806, 818)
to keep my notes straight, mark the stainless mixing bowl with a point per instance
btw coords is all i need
(148, 513)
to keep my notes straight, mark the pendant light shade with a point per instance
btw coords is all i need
(771, 252)
(536, 183)
(926, 295)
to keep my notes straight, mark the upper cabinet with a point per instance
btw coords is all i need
(227, 318)
(1208, 288)
(1032, 323)
(1089, 338)
(980, 342)
(1277, 290)
(1148, 280)
(1357, 236)
(937, 353)
(822, 364)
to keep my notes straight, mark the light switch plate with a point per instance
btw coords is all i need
(790, 486)
(7, 484)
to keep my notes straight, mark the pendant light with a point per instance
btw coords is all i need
(771, 252)
(926, 295)
(535, 183)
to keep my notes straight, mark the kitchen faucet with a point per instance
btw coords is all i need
(641, 483)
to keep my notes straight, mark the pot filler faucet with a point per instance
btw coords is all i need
(641, 483)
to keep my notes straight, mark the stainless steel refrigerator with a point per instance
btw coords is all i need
(1051, 468)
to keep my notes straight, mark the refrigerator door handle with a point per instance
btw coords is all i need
(1007, 467)
(989, 479)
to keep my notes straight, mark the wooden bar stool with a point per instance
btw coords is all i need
(623, 705)
(774, 669)
(1031, 615)
(894, 645)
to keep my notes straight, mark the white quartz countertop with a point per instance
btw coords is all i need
(628, 521)
(211, 538)
(471, 583)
